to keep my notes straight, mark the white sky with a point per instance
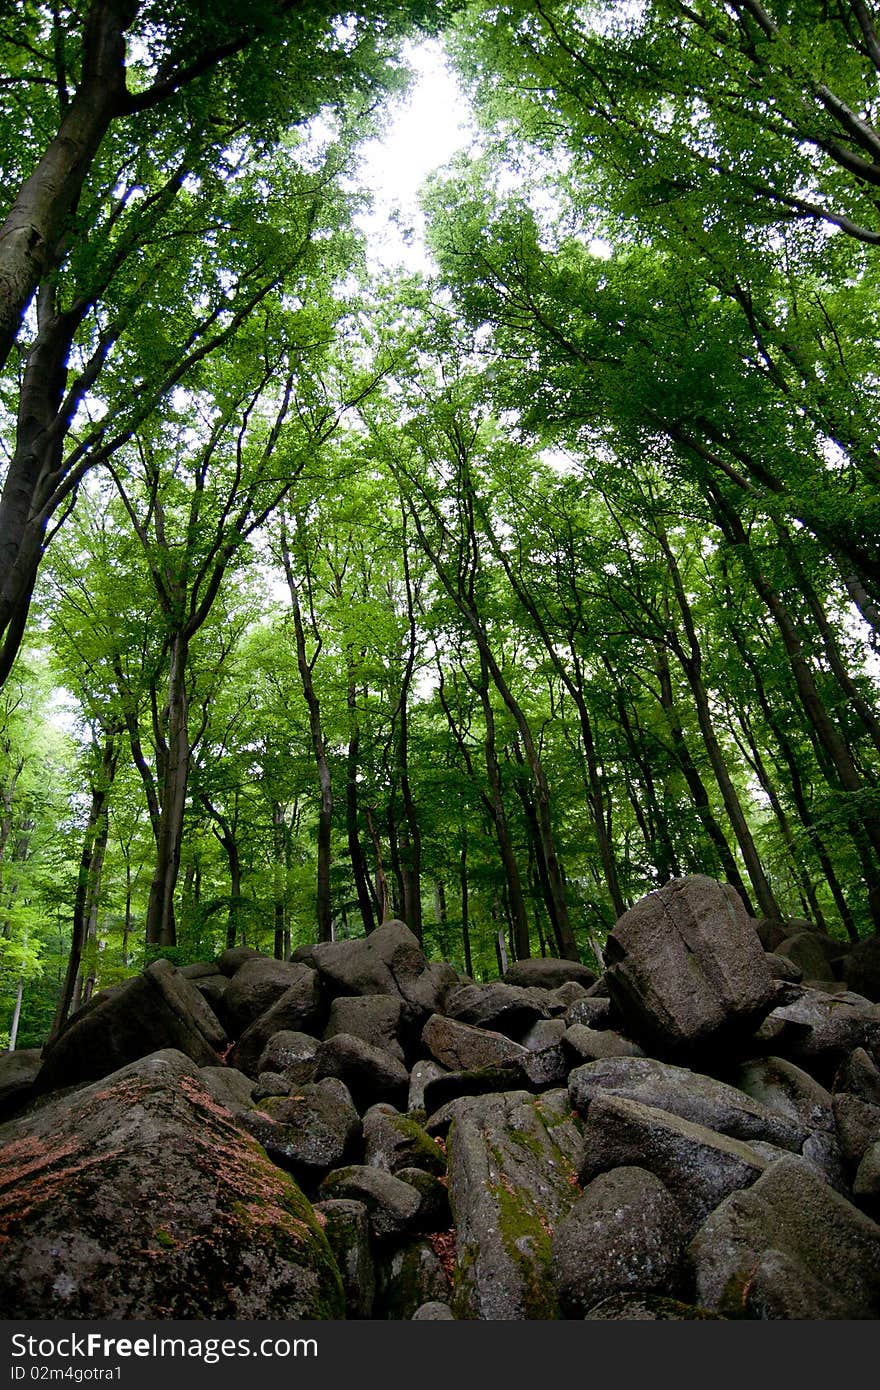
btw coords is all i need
(425, 130)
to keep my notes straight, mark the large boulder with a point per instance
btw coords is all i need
(699, 1167)
(18, 1072)
(388, 961)
(377, 1018)
(289, 1054)
(394, 1141)
(462, 1047)
(624, 1233)
(393, 1206)
(504, 1008)
(511, 1179)
(861, 968)
(549, 973)
(789, 1247)
(347, 1227)
(156, 1010)
(814, 953)
(300, 1009)
(255, 987)
(687, 971)
(370, 1073)
(817, 1030)
(700, 1099)
(310, 1132)
(138, 1197)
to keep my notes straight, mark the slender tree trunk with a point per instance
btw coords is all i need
(161, 930)
(278, 878)
(691, 662)
(516, 901)
(356, 854)
(323, 906)
(465, 906)
(91, 858)
(696, 786)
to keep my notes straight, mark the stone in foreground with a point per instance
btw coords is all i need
(511, 1179)
(138, 1197)
(789, 1247)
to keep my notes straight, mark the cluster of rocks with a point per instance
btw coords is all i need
(359, 1132)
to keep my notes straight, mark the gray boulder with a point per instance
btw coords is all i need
(18, 1072)
(158, 1009)
(310, 1132)
(388, 961)
(229, 1087)
(139, 1198)
(624, 1233)
(435, 1311)
(781, 1086)
(687, 970)
(788, 1247)
(257, 984)
(289, 1054)
(860, 968)
(817, 1029)
(699, 1167)
(511, 1180)
(424, 1071)
(462, 1047)
(700, 1099)
(592, 1012)
(505, 1008)
(582, 1044)
(478, 1081)
(370, 1073)
(814, 953)
(300, 1009)
(377, 1018)
(406, 1279)
(544, 1033)
(393, 1206)
(347, 1228)
(549, 973)
(393, 1141)
(234, 957)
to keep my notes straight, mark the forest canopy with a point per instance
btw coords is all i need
(488, 597)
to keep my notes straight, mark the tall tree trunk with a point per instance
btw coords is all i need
(696, 785)
(323, 906)
(161, 930)
(691, 662)
(465, 906)
(516, 901)
(356, 854)
(90, 860)
(862, 819)
(278, 878)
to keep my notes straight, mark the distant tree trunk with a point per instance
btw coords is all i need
(690, 659)
(323, 906)
(356, 854)
(278, 878)
(161, 930)
(16, 1012)
(516, 901)
(90, 862)
(465, 906)
(696, 786)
